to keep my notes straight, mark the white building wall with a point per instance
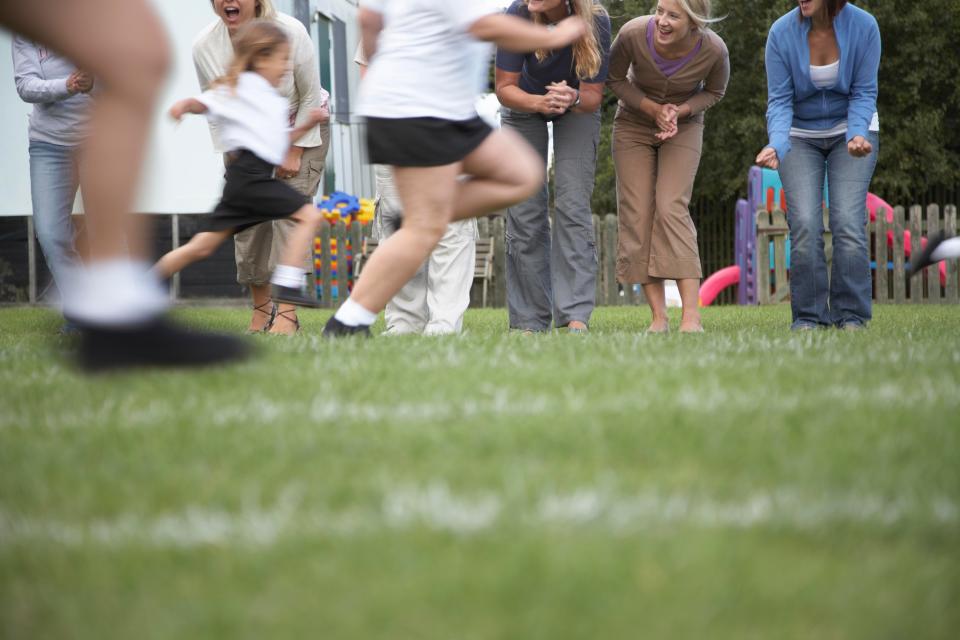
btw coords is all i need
(183, 174)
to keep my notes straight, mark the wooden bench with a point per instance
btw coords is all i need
(482, 266)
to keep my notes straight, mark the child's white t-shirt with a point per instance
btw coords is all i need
(254, 116)
(425, 63)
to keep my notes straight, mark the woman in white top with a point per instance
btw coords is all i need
(822, 61)
(418, 97)
(258, 248)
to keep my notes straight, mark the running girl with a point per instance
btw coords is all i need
(253, 119)
(418, 98)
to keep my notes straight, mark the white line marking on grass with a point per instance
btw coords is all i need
(437, 508)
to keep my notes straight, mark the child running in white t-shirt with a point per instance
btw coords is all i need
(418, 97)
(254, 124)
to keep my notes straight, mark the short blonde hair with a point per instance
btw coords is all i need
(264, 9)
(699, 12)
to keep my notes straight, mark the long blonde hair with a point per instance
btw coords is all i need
(254, 41)
(587, 57)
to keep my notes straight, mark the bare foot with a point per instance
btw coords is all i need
(577, 327)
(659, 325)
(691, 323)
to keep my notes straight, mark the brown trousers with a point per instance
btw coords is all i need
(657, 238)
(258, 248)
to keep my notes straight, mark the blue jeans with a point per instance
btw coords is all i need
(53, 187)
(802, 172)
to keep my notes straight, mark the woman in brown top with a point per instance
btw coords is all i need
(667, 69)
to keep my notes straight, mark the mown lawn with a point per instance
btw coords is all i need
(747, 483)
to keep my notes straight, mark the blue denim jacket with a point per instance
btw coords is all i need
(792, 100)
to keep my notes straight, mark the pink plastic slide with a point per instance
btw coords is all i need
(717, 282)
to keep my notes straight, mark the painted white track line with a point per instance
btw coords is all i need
(436, 508)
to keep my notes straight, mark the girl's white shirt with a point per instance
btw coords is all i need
(426, 60)
(253, 116)
(213, 51)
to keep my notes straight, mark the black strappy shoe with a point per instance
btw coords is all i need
(289, 318)
(271, 316)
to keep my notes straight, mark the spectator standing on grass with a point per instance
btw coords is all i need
(667, 69)
(60, 95)
(822, 61)
(259, 247)
(551, 273)
(436, 298)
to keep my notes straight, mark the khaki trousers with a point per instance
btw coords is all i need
(657, 238)
(436, 297)
(258, 248)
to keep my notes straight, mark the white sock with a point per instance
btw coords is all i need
(287, 276)
(352, 314)
(949, 248)
(113, 293)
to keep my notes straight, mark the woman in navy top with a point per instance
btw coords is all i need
(553, 281)
(822, 60)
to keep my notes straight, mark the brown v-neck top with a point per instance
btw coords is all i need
(634, 74)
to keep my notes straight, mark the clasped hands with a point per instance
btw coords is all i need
(858, 147)
(560, 97)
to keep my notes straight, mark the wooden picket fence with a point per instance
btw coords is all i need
(890, 284)
(889, 260)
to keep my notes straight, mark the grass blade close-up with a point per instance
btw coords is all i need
(749, 482)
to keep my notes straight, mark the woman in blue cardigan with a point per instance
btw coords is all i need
(822, 60)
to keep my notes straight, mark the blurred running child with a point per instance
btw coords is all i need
(418, 97)
(252, 116)
(117, 304)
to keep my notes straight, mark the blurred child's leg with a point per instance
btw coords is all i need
(200, 247)
(427, 194)
(503, 170)
(115, 298)
(289, 280)
(123, 44)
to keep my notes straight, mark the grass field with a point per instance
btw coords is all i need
(747, 483)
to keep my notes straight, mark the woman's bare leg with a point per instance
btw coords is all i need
(690, 297)
(260, 293)
(657, 299)
(201, 246)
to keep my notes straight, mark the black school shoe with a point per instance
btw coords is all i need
(156, 343)
(336, 329)
(299, 297)
(923, 260)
